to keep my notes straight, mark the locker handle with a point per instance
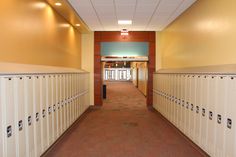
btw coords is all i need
(54, 108)
(49, 110)
(229, 123)
(192, 107)
(203, 112)
(197, 109)
(29, 120)
(210, 115)
(219, 119)
(43, 113)
(20, 125)
(37, 117)
(9, 131)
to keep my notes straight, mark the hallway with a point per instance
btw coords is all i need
(123, 127)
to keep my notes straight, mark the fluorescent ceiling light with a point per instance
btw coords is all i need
(124, 22)
(58, 4)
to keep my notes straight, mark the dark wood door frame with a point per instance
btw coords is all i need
(106, 36)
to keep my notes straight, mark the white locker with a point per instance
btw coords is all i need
(44, 113)
(76, 96)
(186, 105)
(229, 120)
(29, 116)
(63, 101)
(54, 109)
(192, 107)
(49, 108)
(36, 115)
(178, 100)
(211, 114)
(221, 97)
(58, 101)
(198, 110)
(67, 100)
(73, 98)
(1, 121)
(204, 111)
(7, 94)
(182, 103)
(20, 123)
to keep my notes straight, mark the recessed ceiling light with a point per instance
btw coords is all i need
(58, 4)
(77, 25)
(124, 22)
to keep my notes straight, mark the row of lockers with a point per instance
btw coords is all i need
(37, 109)
(202, 107)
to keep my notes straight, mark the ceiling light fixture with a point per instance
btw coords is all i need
(125, 22)
(77, 25)
(58, 4)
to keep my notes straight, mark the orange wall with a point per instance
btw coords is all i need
(204, 35)
(32, 32)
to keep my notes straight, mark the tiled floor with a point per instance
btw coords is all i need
(123, 127)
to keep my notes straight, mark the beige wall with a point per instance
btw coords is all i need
(32, 32)
(88, 60)
(204, 35)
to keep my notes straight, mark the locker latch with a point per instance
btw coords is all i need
(210, 115)
(9, 131)
(219, 119)
(229, 123)
(54, 108)
(20, 125)
(187, 105)
(203, 112)
(37, 117)
(49, 110)
(197, 109)
(192, 107)
(43, 113)
(29, 120)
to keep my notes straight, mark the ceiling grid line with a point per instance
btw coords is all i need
(155, 10)
(136, 3)
(97, 14)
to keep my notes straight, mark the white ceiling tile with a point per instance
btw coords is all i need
(148, 14)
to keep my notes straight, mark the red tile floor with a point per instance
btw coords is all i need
(123, 127)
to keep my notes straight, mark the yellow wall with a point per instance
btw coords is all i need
(204, 35)
(32, 32)
(88, 60)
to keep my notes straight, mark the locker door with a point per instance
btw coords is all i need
(80, 93)
(198, 110)
(229, 120)
(7, 93)
(192, 106)
(54, 109)
(63, 106)
(172, 99)
(1, 121)
(182, 103)
(76, 96)
(186, 105)
(29, 115)
(44, 115)
(36, 115)
(204, 111)
(72, 97)
(178, 100)
(20, 123)
(220, 107)
(49, 108)
(58, 100)
(67, 100)
(211, 114)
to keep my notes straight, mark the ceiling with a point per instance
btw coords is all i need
(147, 15)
